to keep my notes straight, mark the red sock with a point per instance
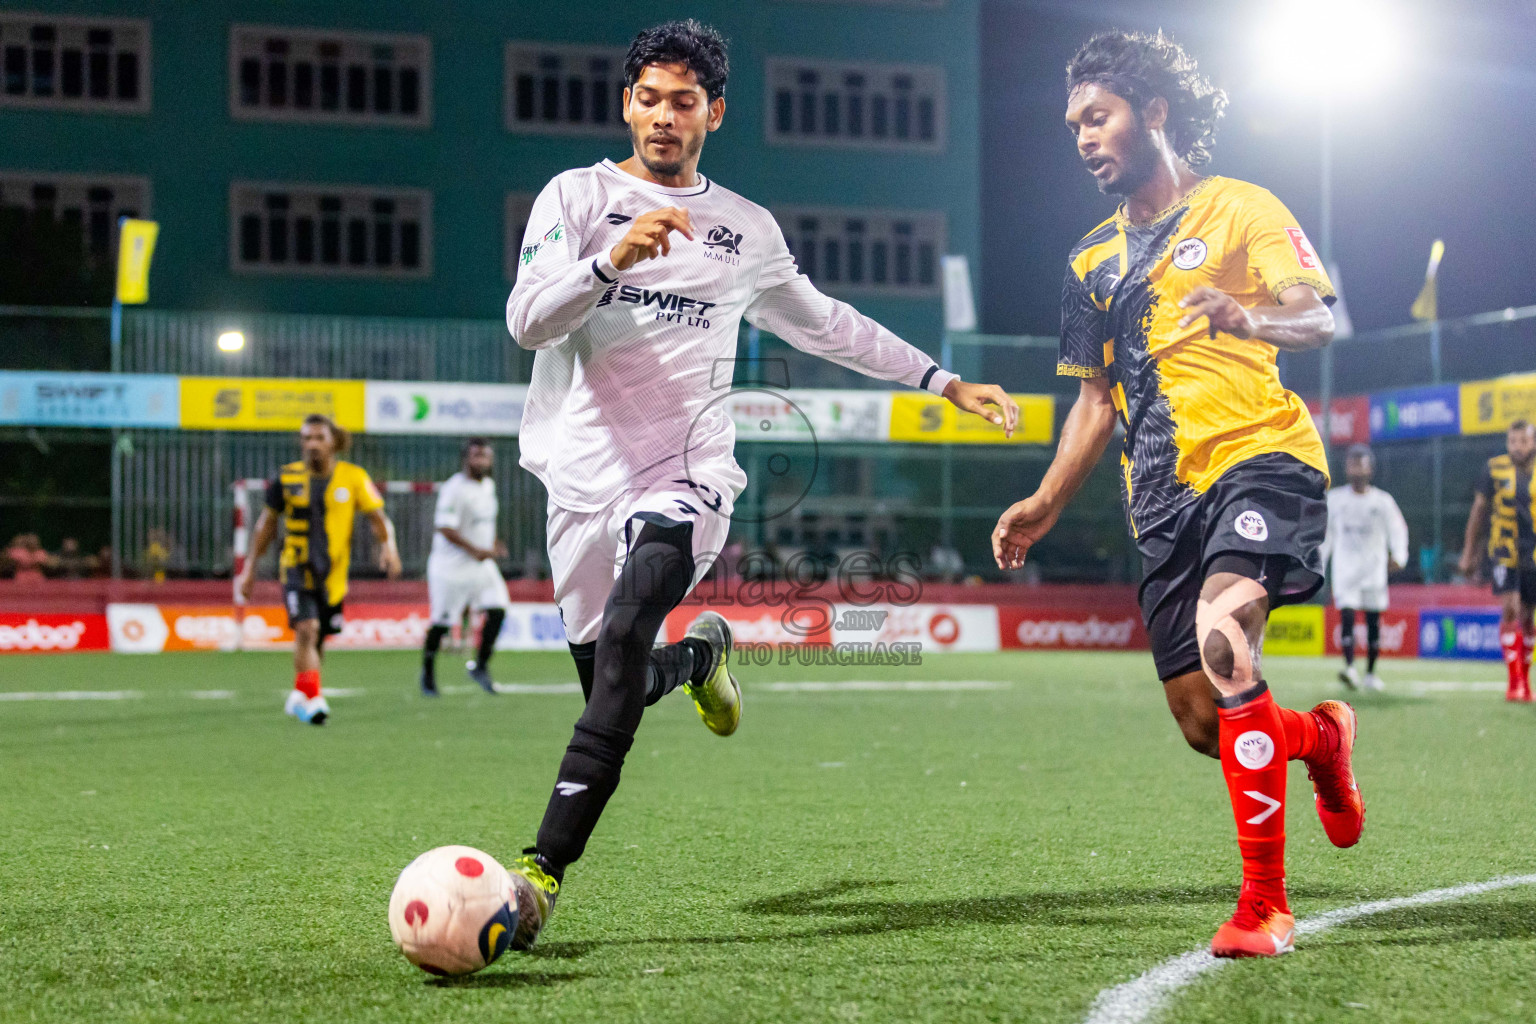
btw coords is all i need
(1304, 734)
(1525, 658)
(1513, 642)
(1255, 764)
(308, 683)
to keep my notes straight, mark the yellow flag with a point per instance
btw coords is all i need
(1427, 306)
(135, 248)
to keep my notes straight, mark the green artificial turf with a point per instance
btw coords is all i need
(921, 855)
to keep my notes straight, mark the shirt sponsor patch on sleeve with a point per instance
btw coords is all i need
(1305, 254)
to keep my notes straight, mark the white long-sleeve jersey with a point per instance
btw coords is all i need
(633, 367)
(1363, 529)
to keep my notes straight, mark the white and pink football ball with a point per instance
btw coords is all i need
(453, 910)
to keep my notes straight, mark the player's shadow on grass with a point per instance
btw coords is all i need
(1441, 924)
(872, 916)
(503, 980)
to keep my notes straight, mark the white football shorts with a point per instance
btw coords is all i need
(454, 589)
(1365, 599)
(587, 550)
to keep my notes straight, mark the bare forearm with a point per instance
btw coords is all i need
(263, 535)
(1298, 327)
(1476, 523)
(1084, 436)
(456, 538)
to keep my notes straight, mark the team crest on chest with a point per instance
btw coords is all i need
(723, 244)
(1189, 254)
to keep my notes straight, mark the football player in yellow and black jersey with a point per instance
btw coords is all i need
(1506, 501)
(1172, 313)
(317, 499)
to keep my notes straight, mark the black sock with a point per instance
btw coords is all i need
(655, 577)
(490, 629)
(1347, 635)
(429, 648)
(687, 661)
(584, 655)
(1372, 640)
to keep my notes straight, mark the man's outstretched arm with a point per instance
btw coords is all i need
(1084, 436)
(823, 326)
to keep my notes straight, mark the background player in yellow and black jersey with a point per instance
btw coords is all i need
(1506, 501)
(317, 498)
(1172, 314)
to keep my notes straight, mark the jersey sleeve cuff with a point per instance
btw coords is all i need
(604, 269)
(1074, 370)
(936, 380)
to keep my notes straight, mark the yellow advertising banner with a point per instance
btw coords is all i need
(919, 416)
(1296, 629)
(135, 249)
(1490, 406)
(268, 403)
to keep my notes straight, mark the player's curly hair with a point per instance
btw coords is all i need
(1138, 67)
(696, 46)
(339, 434)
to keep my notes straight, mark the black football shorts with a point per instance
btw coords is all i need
(1273, 508)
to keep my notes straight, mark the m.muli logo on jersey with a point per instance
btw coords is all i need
(670, 306)
(723, 244)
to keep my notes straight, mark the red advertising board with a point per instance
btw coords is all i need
(1350, 422)
(1111, 628)
(1399, 633)
(26, 634)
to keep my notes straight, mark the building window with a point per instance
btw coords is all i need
(519, 206)
(293, 74)
(552, 89)
(70, 204)
(351, 230)
(91, 64)
(841, 103)
(885, 252)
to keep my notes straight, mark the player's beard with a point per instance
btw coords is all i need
(689, 150)
(1138, 163)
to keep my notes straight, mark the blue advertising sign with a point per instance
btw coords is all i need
(43, 399)
(1460, 633)
(1416, 412)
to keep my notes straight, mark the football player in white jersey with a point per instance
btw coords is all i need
(633, 281)
(1367, 537)
(461, 570)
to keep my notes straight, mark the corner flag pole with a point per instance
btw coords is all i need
(135, 248)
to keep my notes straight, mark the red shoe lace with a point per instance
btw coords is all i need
(1252, 911)
(1330, 774)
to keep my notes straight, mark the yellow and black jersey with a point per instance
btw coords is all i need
(318, 512)
(1193, 406)
(1512, 509)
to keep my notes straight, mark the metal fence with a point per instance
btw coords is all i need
(906, 498)
(177, 491)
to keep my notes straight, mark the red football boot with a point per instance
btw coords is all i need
(1339, 803)
(1257, 929)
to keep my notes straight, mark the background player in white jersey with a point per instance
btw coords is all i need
(461, 570)
(634, 278)
(1367, 537)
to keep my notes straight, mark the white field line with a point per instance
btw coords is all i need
(72, 695)
(211, 694)
(1140, 998)
(1452, 686)
(898, 685)
(518, 688)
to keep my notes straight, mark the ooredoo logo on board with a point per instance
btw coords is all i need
(52, 633)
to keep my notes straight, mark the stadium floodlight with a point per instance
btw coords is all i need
(1330, 47)
(231, 341)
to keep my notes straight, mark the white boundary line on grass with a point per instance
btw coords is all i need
(1140, 998)
(897, 685)
(71, 695)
